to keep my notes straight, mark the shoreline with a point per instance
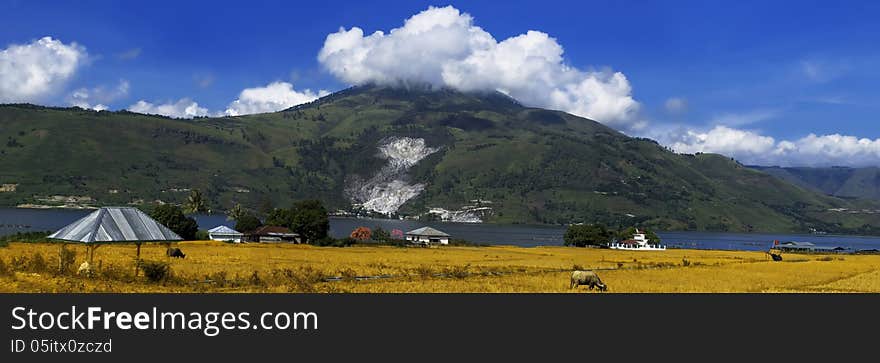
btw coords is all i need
(47, 206)
(449, 247)
(78, 207)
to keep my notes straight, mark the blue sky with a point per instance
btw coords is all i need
(701, 75)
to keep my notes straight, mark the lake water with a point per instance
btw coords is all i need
(23, 220)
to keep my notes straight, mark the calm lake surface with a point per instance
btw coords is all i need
(30, 220)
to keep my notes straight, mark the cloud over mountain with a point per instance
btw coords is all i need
(98, 97)
(273, 97)
(443, 47)
(31, 72)
(751, 147)
(183, 108)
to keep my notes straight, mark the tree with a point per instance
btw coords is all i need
(195, 203)
(586, 234)
(361, 234)
(266, 205)
(247, 222)
(381, 235)
(172, 216)
(627, 233)
(280, 217)
(310, 220)
(235, 213)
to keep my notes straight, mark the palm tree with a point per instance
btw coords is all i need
(235, 213)
(195, 203)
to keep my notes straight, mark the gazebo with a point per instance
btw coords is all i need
(115, 225)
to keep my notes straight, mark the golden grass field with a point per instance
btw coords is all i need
(255, 267)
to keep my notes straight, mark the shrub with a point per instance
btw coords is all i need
(112, 272)
(301, 280)
(24, 237)
(685, 262)
(18, 263)
(202, 235)
(4, 269)
(381, 235)
(348, 274)
(577, 267)
(332, 242)
(172, 216)
(219, 278)
(67, 260)
(586, 234)
(425, 271)
(38, 263)
(255, 279)
(458, 272)
(465, 243)
(155, 271)
(361, 234)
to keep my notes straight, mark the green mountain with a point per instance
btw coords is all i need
(486, 152)
(837, 181)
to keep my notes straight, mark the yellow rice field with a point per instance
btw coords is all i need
(255, 267)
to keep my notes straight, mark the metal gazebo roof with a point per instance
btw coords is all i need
(116, 224)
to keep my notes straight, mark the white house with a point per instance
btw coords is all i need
(225, 234)
(427, 235)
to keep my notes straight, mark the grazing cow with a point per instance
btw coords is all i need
(175, 252)
(589, 278)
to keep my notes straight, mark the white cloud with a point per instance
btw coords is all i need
(273, 97)
(98, 97)
(31, 72)
(750, 147)
(744, 118)
(676, 105)
(822, 71)
(183, 108)
(129, 54)
(740, 144)
(203, 80)
(442, 47)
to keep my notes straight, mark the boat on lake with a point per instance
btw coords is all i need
(638, 243)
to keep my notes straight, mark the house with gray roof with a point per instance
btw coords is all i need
(427, 235)
(225, 234)
(794, 246)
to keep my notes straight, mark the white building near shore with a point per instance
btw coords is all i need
(427, 235)
(224, 234)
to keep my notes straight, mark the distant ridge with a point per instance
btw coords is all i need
(522, 164)
(839, 181)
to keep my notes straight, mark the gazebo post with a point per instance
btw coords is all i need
(137, 260)
(61, 258)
